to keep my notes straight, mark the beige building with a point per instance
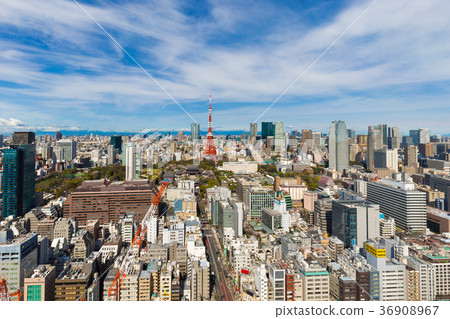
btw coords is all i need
(200, 289)
(41, 285)
(63, 228)
(165, 283)
(145, 286)
(84, 245)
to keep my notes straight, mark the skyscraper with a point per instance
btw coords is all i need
(374, 142)
(306, 135)
(69, 147)
(400, 201)
(253, 130)
(385, 158)
(116, 141)
(355, 221)
(195, 131)
(133, 163)
(384, 133)
(424, 135)
(394, 137)
(420, 136)
(338, 146)
(279, 137)
(410, 154)
(267, 129)
(19, 176)
(58, 135)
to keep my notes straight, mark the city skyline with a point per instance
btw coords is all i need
(61, 71)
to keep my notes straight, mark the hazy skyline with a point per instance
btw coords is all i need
(59, 70)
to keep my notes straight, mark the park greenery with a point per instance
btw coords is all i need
(65, 182)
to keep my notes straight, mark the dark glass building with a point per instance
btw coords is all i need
(19, 176)
(267, 129)
(58, 135)
(116, 141)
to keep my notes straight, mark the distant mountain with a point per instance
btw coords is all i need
(109, 133)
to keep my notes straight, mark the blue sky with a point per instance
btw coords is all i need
(60, 70)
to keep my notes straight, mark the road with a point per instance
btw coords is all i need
(221, 282)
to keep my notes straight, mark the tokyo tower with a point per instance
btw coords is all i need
(210, 149)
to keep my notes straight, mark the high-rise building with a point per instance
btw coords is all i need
(69, 147)
(420, 136)
(338, 146)
(355, 221)
(267, 129)
(410, 156)
(426, 149)
(386, 158)
(384, 133)
(195, 131)
(280, 145)
(58, 135)
(323, 215)
(424, 135)
(427, 282)
(394, 137)
(22, 138)
(400, 201)
(18, 259)
(392, 273)
(271, 218)
(374, 142)
(316, 136)
(95, 200)
(361, 139)
(180, 136)
(116, 142)
(200, 279)
(242, 184)
(353, 152)
(111, 153)
(306, 135)
(257, 199)
(134, 163)
(230, 216)
(351, 133)
(1, 141)
(253, 130)
(19, 176)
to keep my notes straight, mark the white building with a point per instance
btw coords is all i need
(174, 234)
(127, 228)
(133, 162)
(392, 273)
(241, 167)
(261, 282)
(152, 229)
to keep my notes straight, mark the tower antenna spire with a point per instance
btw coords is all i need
(210, 150)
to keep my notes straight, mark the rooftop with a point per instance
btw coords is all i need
(106, 186)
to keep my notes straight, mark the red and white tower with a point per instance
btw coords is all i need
(210, 149)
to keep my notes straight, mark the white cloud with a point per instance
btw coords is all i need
(395, 47)
(11, 122)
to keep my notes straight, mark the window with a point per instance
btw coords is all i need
(34, 293)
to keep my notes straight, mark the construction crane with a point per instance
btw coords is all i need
(5, 295)
(133, 251)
